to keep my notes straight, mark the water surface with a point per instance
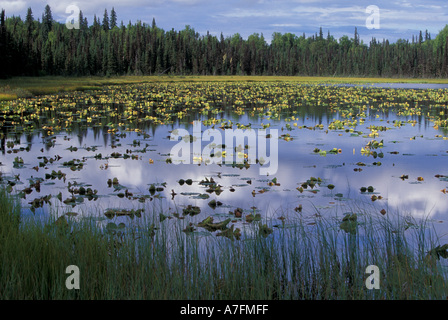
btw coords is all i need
(408, 173)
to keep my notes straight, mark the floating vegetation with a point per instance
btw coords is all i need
(113, 228)
(134, 122)
(238, 212)
(325, 152)
(190, 228)
(191, 210)
(213, 204)
(187, 181)
(112, 146)
(112, 182)
(367, 189)
(209, 225)
(251, 217)
(273, 182)
(39, 202)
(440, 251)
(18, 162)
(264, 230)
(74, 164)
(153, 189)
(311, 182)
(111, 213)
(349, 223)
(55, 175)
(232, 233)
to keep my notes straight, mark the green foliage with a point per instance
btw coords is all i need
(103, 48)
(440, 40)
(296, 260)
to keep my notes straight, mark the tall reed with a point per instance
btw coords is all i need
(300, 259)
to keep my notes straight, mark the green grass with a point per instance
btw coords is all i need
(303, 261)
(28, 86)
(7, 93)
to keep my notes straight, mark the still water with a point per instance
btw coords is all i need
(408, 173)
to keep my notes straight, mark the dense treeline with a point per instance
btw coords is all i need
(47, 47)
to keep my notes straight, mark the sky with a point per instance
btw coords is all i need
(392, 20)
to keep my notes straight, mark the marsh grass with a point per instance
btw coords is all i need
(155, 260)
(7, 93)
(24, 87)
(7, 96)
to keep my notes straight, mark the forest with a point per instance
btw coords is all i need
(43, 46)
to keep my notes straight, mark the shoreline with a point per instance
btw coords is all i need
(22, 87)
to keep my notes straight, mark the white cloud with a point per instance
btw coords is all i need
(13, 6)
(186, 2)
(399, 18)
(285, 25)
(240, 13)
(328, 11)
(129, 175)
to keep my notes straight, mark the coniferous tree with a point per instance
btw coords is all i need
(29, 21)
(29, 18)
(105, 23)
(30, 47)
(356, 39)
(47, 20)
(3, 46)
(83, 25)
(113, 18)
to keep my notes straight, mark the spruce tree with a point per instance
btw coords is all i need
(47, 20)
(82, 21)
(3, 46)
(29, 17)
(105, 21)
(113, 18)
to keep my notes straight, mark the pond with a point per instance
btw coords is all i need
(416, 86)
(108, 153)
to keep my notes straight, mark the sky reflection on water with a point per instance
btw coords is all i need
(416, 152)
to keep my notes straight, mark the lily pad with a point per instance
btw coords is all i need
(349, 223)
(251, 217)
(208, 224)
(230, 233)
(190, 228)
(213, 203)
(264, 230)
(191, 210)
(110, 213)
(439, 252)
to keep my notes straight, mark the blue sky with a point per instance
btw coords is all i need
(397, 18)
